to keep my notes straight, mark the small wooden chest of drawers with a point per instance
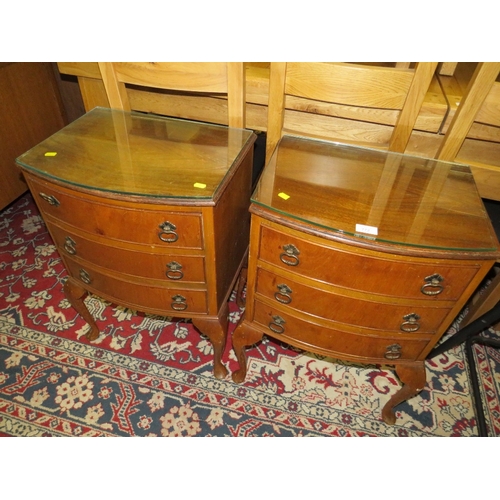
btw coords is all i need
(148, 212)
(362, 255)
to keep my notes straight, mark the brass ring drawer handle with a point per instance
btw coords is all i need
(70, 245)
(85, 276)
(393, 351)
(283, 294)
(179, 303)
(167, 233)
(51, 200)
(174, 271)
(276, 325)
(432, 285)
(410, 323)
(290, 255)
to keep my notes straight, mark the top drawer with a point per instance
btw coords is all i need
(355, 269)
(124, 221)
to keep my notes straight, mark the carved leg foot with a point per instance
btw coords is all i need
(243, 336)
(216, 330)
(75, 293)
(412, 375)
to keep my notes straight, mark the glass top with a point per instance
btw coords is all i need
(374, 194)
(139, 154)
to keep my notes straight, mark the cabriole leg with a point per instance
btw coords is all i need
(216, 330)
(243, 336)
(412, 375)
(75, 293)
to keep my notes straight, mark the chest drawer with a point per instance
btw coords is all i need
(169, 268)
(364, 271)
(316, 338)
(144, 297)
(123, 221)
(355, 309)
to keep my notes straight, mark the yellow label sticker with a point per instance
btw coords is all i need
(50, 153)
(284, 196)
(199, 185)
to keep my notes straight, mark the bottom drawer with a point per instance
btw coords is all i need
(335, 343)
(143, 297)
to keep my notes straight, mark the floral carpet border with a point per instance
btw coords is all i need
(246, 406)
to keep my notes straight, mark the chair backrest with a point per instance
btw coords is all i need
(343, 101)
(480, 104)
(201, 78)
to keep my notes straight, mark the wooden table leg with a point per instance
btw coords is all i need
(243, 336)
(216, 330)
(75, 293)
(413, 377)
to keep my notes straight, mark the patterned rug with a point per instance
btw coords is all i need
(152, 376)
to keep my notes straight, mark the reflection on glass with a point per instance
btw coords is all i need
(375, 194)
(139, 154)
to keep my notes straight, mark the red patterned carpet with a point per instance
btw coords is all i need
(152, 376)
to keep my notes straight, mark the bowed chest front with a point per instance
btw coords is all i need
(362, 255)
(147, 212)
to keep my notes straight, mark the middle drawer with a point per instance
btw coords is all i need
(169, 268)
(384, 314)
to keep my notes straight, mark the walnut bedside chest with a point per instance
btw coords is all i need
(362, 255)
(147, 212)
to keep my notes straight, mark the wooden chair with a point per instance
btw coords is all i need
(199, 78)
(473, 136)
(480, 104)
(352, 103)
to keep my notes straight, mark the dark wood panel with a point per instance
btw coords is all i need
(30, 111)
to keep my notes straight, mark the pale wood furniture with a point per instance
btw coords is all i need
(208, 78)
(147, 212)
(354, 94)
(447, 68)
(89, 81)
(473, 135)
(30, 110)
(443, 97)
(209, 108)
(362, 255)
